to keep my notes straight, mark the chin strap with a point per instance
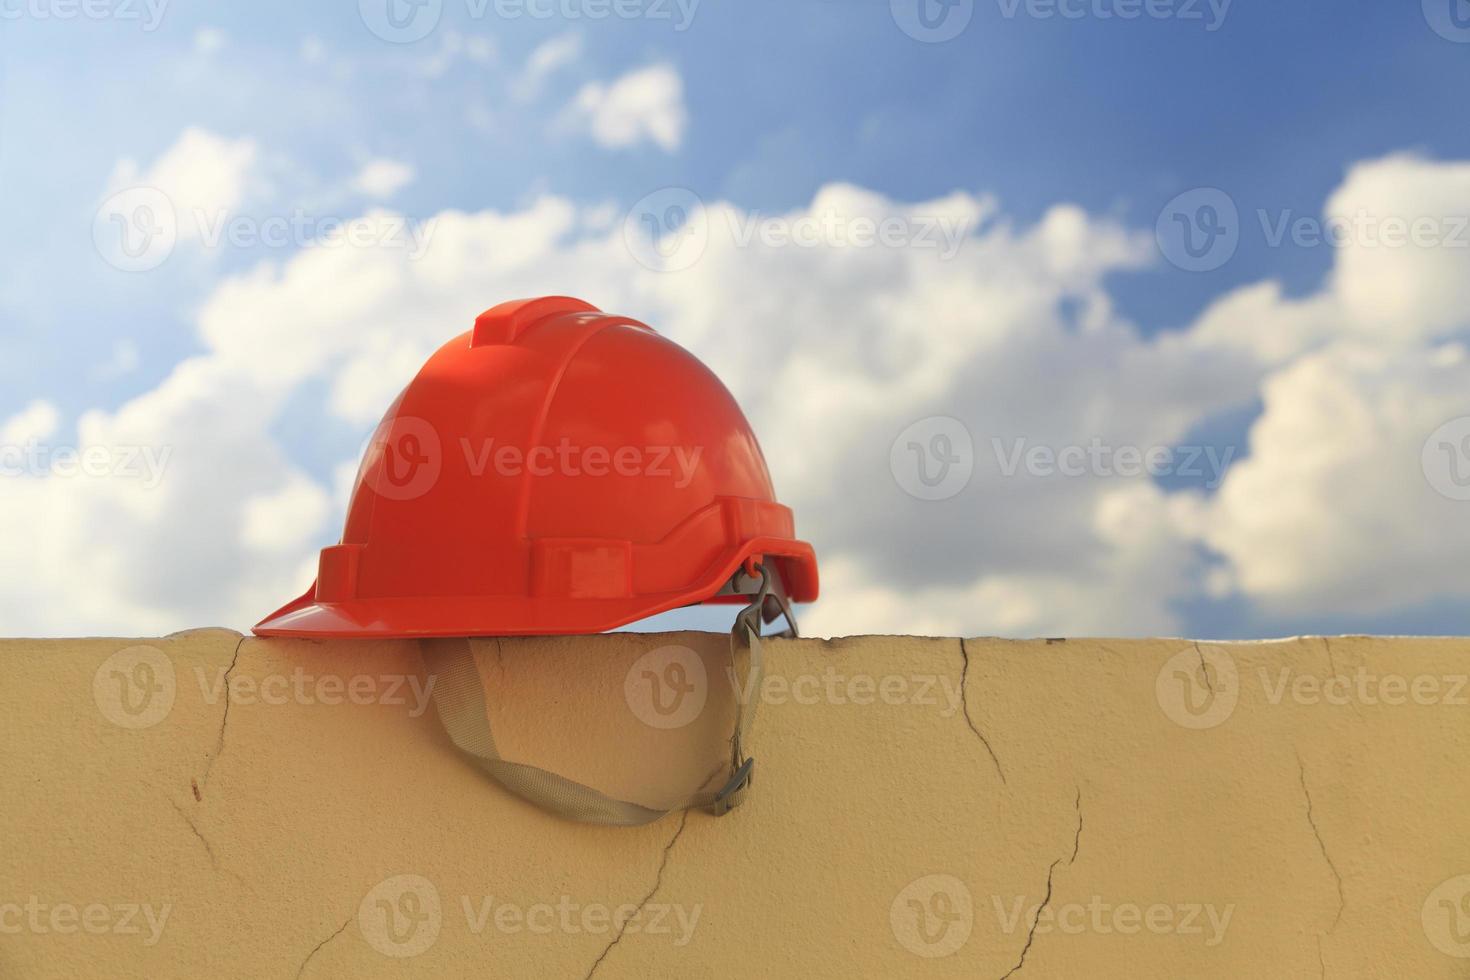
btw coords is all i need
(459, 696)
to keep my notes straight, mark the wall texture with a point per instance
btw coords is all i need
(204, 805)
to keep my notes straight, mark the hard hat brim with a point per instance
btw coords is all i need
(410, 617)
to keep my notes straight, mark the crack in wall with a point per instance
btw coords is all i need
(1322, 846)
(1031, 934)
(1046, 899)
(658, 882)
(1204, 670)
(1077, 837)
(1334, 672)
(1331, 661)
(318, 948)
(208, 847)
(219, 740)
(969, 720)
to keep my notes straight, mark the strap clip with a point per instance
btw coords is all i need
(733, 794)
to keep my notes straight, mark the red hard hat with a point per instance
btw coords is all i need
(554, 470)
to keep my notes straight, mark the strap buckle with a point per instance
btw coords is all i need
(768, 598)
(733, 794)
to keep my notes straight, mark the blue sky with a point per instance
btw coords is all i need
(1272, 103)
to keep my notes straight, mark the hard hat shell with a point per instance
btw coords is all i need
(554, 470)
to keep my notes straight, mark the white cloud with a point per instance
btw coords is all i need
(123, 552)
(38, 421)
(1403, 274)
(313, 51)
(454, 46)
(202, 174)
(646, 104)
(208, 40)
(1333, 511)
(280, 520)
(381, 178)
(125, 359)
(834, 349)
(546, 60)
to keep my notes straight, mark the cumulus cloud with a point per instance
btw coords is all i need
(38, 420)
(208, 40)
(643, 105)
(840, 325)
(546, 60)
(202, 175)
(1402, 272)
(200, 170)
(1334, 509)
(144, 537)
(381, 179)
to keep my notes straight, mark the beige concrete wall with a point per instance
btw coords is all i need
(921, 808)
